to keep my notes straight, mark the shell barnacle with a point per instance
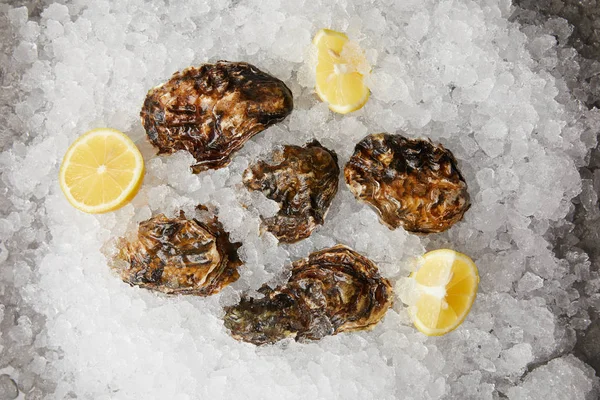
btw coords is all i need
(179, 255)
(411, 183)
(331, 291)
(304, 181)
(211, 111)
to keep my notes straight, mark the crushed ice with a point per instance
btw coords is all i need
(457, 72)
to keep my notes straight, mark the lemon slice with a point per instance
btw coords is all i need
(338, 81)
(101, 171)
(445, 288)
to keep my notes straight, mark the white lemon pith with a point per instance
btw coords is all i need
(101, 171)
(445, 287)
(338, 80)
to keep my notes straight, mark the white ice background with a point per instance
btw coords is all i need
(455, 71)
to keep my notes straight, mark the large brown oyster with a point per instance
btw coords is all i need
(211, 111)
(332, 291)
(179, 255)
(304, 181)
(410, 182)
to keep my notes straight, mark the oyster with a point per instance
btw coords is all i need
(410, 182)
(211, 111)
(179, 255)
(304, 181)
(332, 291)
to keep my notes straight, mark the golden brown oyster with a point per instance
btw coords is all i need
(332, 291)
(213, 110)
(304, 181)
(410, 182)
(180, 256)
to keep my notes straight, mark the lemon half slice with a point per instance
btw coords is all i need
(446, 286)
(338, 81)
(101, 171)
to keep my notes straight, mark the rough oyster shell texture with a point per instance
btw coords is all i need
(332, 291)
(410, 182)
(213, 110)
(179, 255)
(304, 181)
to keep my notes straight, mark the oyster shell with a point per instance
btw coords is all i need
(410, 182)
(179, 256)
(332, 291)
(213, 110)
(304, 181)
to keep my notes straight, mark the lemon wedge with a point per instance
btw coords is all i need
(444, 289)
(338, 80)
(101, 171)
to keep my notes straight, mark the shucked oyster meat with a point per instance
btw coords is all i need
(332, 291)
(410, 182)
(211, 111)
(179, 255)
(304, 181)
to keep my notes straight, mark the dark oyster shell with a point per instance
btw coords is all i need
(212, 110)
(304, 181)
(332, 291)
(410, 182)
(179, 256)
